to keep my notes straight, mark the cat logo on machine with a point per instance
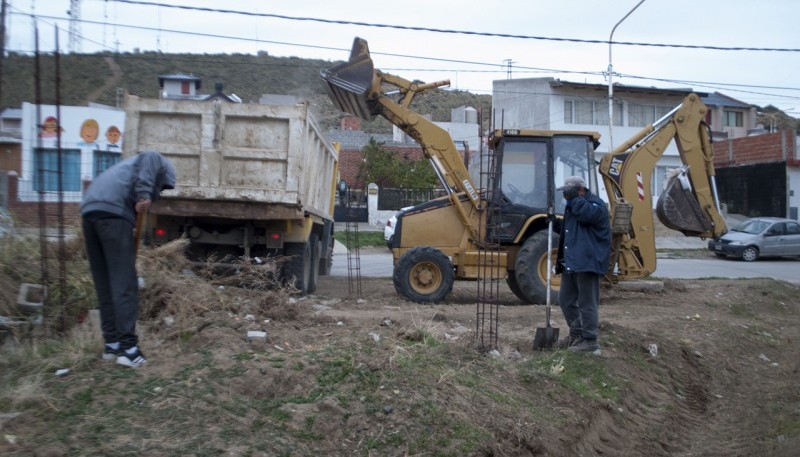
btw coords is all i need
(615, 168)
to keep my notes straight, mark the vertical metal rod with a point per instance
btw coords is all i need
(62, 255)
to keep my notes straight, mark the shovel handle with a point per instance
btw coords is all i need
(137, 235)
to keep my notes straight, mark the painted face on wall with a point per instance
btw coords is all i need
(89, 131)
(49, 127)
(113, 135)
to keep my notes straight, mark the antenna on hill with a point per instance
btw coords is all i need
(74, 25)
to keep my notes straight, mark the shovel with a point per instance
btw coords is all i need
(547, 337)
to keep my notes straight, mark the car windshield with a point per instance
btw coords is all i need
(752, 226)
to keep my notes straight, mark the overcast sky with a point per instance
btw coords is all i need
(471, 61)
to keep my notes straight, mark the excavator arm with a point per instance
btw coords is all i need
(689, 202)
(357, 88)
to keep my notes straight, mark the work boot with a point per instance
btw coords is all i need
(586, 346)
(568, 341)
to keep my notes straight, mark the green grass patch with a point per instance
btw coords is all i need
(363, 240)
(586, 375)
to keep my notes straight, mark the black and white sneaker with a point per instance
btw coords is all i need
(133, 359)
(110, 354)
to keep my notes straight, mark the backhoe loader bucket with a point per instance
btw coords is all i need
(678, 209)
(349, 84)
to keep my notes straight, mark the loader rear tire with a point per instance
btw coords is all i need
(424, 275)
(298, 268)
(531, 270)
(511, 280)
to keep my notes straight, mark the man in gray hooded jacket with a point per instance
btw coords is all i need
(109, 208)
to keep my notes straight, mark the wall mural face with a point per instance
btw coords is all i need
(88, 134)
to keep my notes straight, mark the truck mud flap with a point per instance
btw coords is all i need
(678, 209)
(349, 83)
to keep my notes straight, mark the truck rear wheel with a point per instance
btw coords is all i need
(316, 251)
(299, 266)
(424, 275)
(326, 263)
(531, 270)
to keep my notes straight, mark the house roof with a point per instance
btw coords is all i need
(680, 91)
(179, 77)
(717, 99)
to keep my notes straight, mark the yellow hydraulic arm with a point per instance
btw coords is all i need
(357, 88)
(689, 203)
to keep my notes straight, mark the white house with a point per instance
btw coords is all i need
(90, 141)
(554, 104)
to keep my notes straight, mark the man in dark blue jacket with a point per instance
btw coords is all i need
(109, 209)
(583, 255)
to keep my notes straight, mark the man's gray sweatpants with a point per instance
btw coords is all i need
(579, 297)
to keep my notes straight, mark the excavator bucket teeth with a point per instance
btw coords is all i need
(349, 84)
(678, 209)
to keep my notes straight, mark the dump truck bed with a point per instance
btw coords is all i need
(241, 160)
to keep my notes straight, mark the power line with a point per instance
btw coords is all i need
(499, 68)
(459, 32)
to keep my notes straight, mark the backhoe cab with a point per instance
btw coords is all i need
(445, 239)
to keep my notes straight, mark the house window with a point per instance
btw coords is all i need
(732, 119)
(103, 160)
(590, 112)
(640, 115)
(45, 172)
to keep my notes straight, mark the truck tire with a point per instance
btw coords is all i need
(424, 275)
(298, 268)
(326, 263)
(531, 270)
(316, 250)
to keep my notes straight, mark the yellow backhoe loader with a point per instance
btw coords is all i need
(440, 241)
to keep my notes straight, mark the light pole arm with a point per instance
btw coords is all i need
(610, 80)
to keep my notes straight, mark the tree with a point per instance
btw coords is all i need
(386, 169)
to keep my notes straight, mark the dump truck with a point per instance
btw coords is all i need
(254, 181)
(499, 227)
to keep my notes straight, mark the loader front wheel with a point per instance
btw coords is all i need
(531, 270)
(298, 268)
(424, 275)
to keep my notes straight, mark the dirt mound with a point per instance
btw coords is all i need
(702, 368)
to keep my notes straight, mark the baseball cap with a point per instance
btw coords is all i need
(573, 181)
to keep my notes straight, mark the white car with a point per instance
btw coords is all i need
(388, 230)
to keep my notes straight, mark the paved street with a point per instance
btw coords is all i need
(377, 262)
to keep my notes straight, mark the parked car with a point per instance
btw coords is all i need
(759, 237)
(388, 230)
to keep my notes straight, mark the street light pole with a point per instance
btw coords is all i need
(610, 83)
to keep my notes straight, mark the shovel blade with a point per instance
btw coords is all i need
(545, 338)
